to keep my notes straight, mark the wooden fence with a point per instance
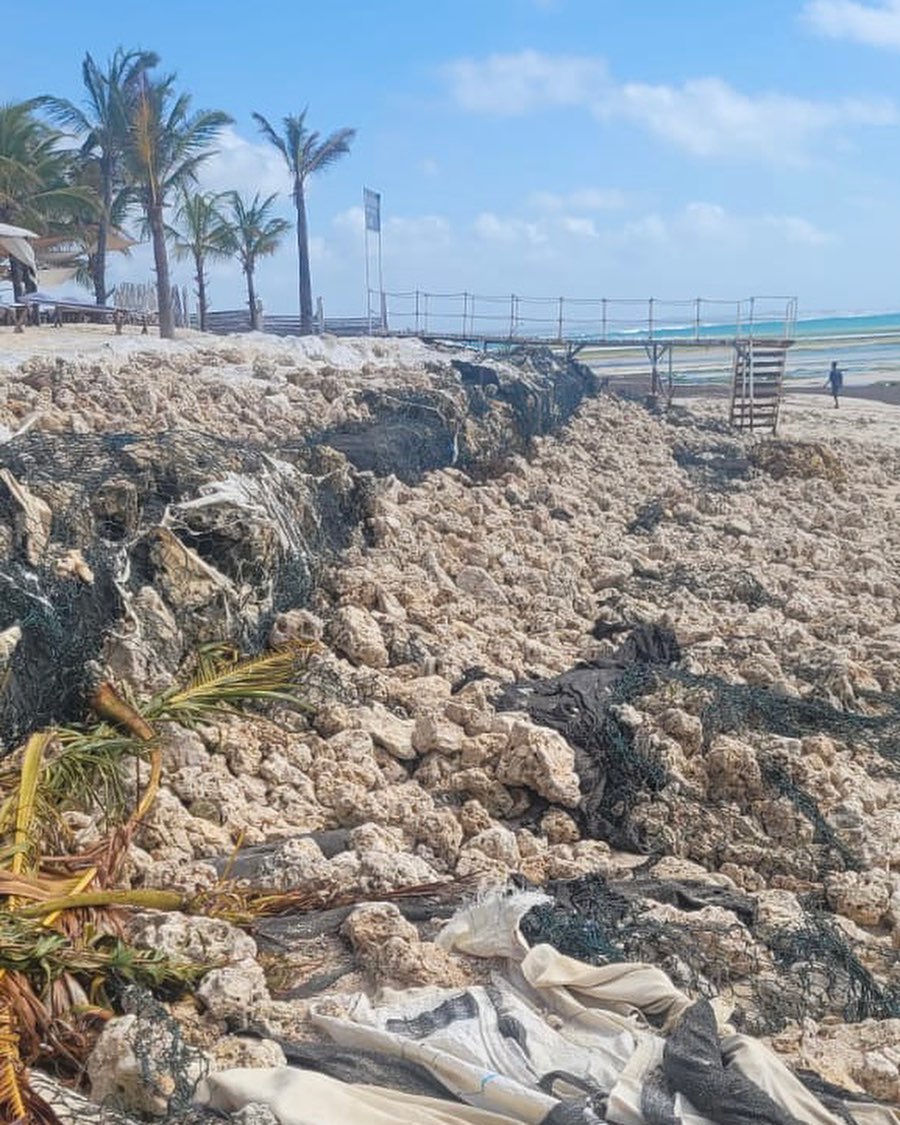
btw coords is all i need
(238, 320)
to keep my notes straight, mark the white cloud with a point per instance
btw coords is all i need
(706, 220)
(529, 80)
(399, 231)
(584, 199)
(417, 232)
(428, 166)
(705, 116)
(353, 220)
(583, 228)
(700, 229)
(877, 25)
(712, 223)
(492, 228)
(244, 166)
(799, 232)
(649, 229)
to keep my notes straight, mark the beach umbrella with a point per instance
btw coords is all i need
(14, 242)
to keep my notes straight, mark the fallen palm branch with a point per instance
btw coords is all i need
(237, 905)
(60, 942)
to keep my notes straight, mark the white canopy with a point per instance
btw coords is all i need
(14, 242)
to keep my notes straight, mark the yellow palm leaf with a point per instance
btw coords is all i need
(32, 761)
(12, 1098)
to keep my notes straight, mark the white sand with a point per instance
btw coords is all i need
(811, 418)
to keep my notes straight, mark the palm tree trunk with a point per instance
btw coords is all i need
(102, 237)
(306, 306)
(201, 290)
(161, 259)
(251, 299)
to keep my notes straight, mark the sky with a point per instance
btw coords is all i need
(584, 148)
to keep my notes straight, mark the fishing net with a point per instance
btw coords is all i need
(263, 524)
(619, 771)
(775, 975)
(407, 433)
(706, 582)
(247, 529)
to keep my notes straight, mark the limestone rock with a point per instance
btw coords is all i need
(147, 651)
(191, 938)
(863, 897)
(733, 770)
(295, 625)
(118, 1073)
(231, 1051)
(389, 947)
(387, 729)
(233, 994)
(32, 519)
(433, 733)
(356, 635)
(476, 581)
(187, 581)
(559, 827)
(255, 1113)
(541, 760)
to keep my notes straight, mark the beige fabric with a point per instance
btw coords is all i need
(18, 248)
(301, 1097)
(874, 1115)
(768, 1072)
(469, 1056)
(605, 1033)
(621, 995)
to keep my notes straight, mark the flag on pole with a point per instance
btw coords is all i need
(372, 204)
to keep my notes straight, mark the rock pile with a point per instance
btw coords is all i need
(773, 741)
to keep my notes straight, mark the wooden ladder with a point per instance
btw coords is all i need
(757, 386)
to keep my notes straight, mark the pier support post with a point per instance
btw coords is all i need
(655, 353)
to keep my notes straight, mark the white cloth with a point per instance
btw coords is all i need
(18, 248)
(491, 1046)
(303, 1097)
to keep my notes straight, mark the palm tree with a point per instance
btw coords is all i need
(304, 154)
(201, 235)
(253, 233)
(37, 182)
(166, 146)
(103, 124)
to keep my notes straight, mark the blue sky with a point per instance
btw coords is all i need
(667, 148)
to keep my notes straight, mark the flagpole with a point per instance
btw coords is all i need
(383, 307)
(372, 217)
(368, 288)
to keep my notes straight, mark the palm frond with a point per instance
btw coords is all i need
(32, 762)
(330, 150)
(272, 137)
(12, 1073)
(221, 685)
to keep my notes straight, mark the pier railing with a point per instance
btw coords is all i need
(475, 316)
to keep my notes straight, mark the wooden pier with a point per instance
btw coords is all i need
(756, 332)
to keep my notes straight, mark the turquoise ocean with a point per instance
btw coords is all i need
(866, 346)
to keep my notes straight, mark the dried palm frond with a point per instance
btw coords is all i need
(12, 1072)
(33, 958)
(109, 705)
(60, 944)
(222, 681)
(239, 905)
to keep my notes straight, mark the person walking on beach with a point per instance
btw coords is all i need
(835, 381)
